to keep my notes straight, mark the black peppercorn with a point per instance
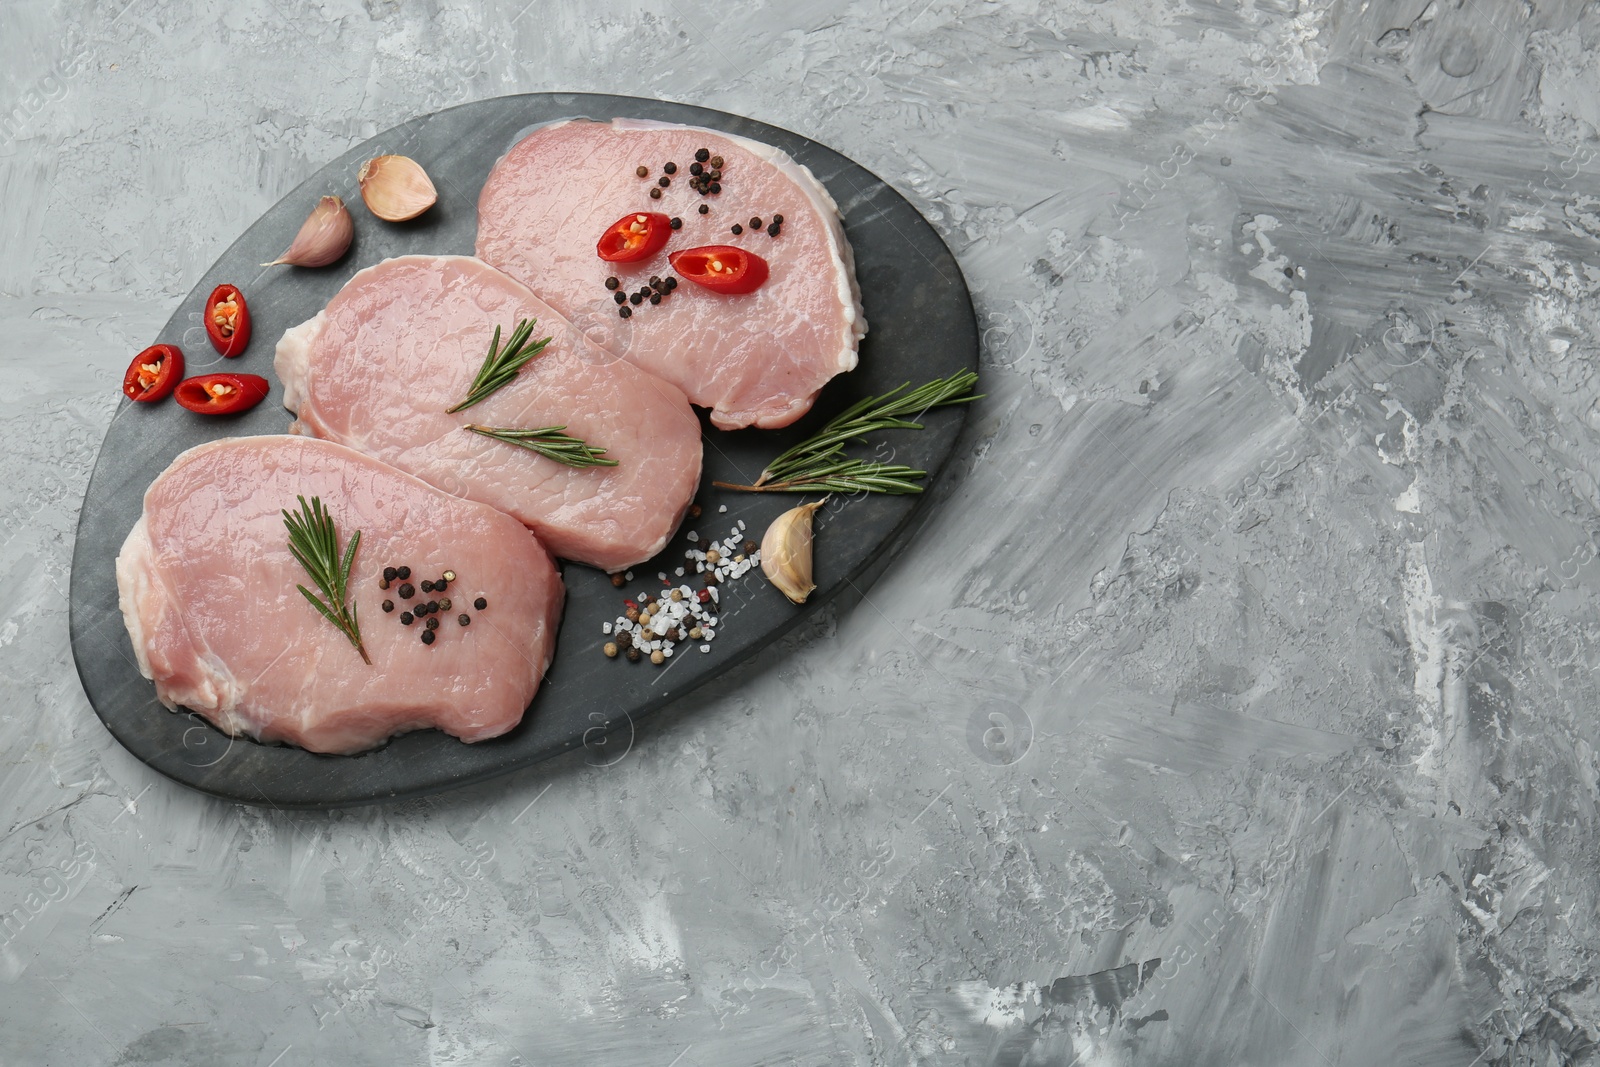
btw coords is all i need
(635, 299)
(388, 605)
(406, 618)
(440, 585)
(632, 654)
(612, 283)
(480, 603)
(772, 231)
(433, 624)
(427, 637)
(737, 229)
(406, 592)
(402, 573)
(778, 219)
(427, 586)
(714, 174)
(663, 182)
(390, 574)
(705, 209)
(702, 154)
(676, 224)
(716, 161)
(444, 605)
(671, 168)
(621, 298)
(715, 188)
(625, 311)
(655, 298)
(655, 193)
(655, 281)
(696, 169)
(755, 222)
(433, 605)
(670, 284)
(464, 619)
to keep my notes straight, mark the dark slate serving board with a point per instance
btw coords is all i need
(921, 326)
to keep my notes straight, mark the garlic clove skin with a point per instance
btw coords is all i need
(323, 238)
(396, 188)
(786, 552)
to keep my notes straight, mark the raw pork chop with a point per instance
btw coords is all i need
(402, 341)
(757, 359)
(207, 589)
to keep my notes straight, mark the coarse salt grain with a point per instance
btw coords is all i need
(692, 536)
(705, 648)
(605, 628)
(722, 509)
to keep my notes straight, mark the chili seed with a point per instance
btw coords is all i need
(427, 637)
(643, 172)
(625, 311)
(612, 283)
(663, 181)
(632, 654)
(406, 592)
(390, 574)
(388, 605)
(433, 624)
(676, 224)
(655, 298)
(737, 229)
(480, 603)
(402, 573)
(772, 231)
(778, 219)
(716, 161)
(406, 618)
(655, 193)
(444, 605)
(671, 168)
(610, 649)
(705, 209)
(621, 298)
(702, 154)
(464, 619)
(427, 586)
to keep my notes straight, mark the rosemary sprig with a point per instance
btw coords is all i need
(548, 441)
(502, 364)
(818, 464)
(314, 541)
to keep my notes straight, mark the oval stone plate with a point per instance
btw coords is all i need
(921, 326)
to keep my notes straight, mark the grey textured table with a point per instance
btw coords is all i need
(1236, 706)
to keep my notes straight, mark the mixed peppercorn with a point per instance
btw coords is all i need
(426, 612)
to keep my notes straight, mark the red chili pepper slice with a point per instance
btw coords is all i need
(634, 237)
(153, 373)
(721, 268)
(222, 394)
(228, 320)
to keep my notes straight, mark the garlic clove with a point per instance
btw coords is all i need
(786, 552)
(396, 188)
(323, 237)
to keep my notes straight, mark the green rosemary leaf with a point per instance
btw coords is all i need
(819, 463)
(314, 543)
(501, 365)
(550, 442)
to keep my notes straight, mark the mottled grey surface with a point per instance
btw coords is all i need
(1237, 706)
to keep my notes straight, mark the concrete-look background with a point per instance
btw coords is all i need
(1236, 705)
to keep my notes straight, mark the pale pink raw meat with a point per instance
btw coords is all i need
(207, 589)
(401, 343)
(756, 360)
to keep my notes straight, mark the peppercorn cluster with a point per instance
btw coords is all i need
(426, 612)
(705, 175)
(654, 293)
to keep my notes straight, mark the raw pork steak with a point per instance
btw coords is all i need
(401, 343)
(755, 360)
(207, 589)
